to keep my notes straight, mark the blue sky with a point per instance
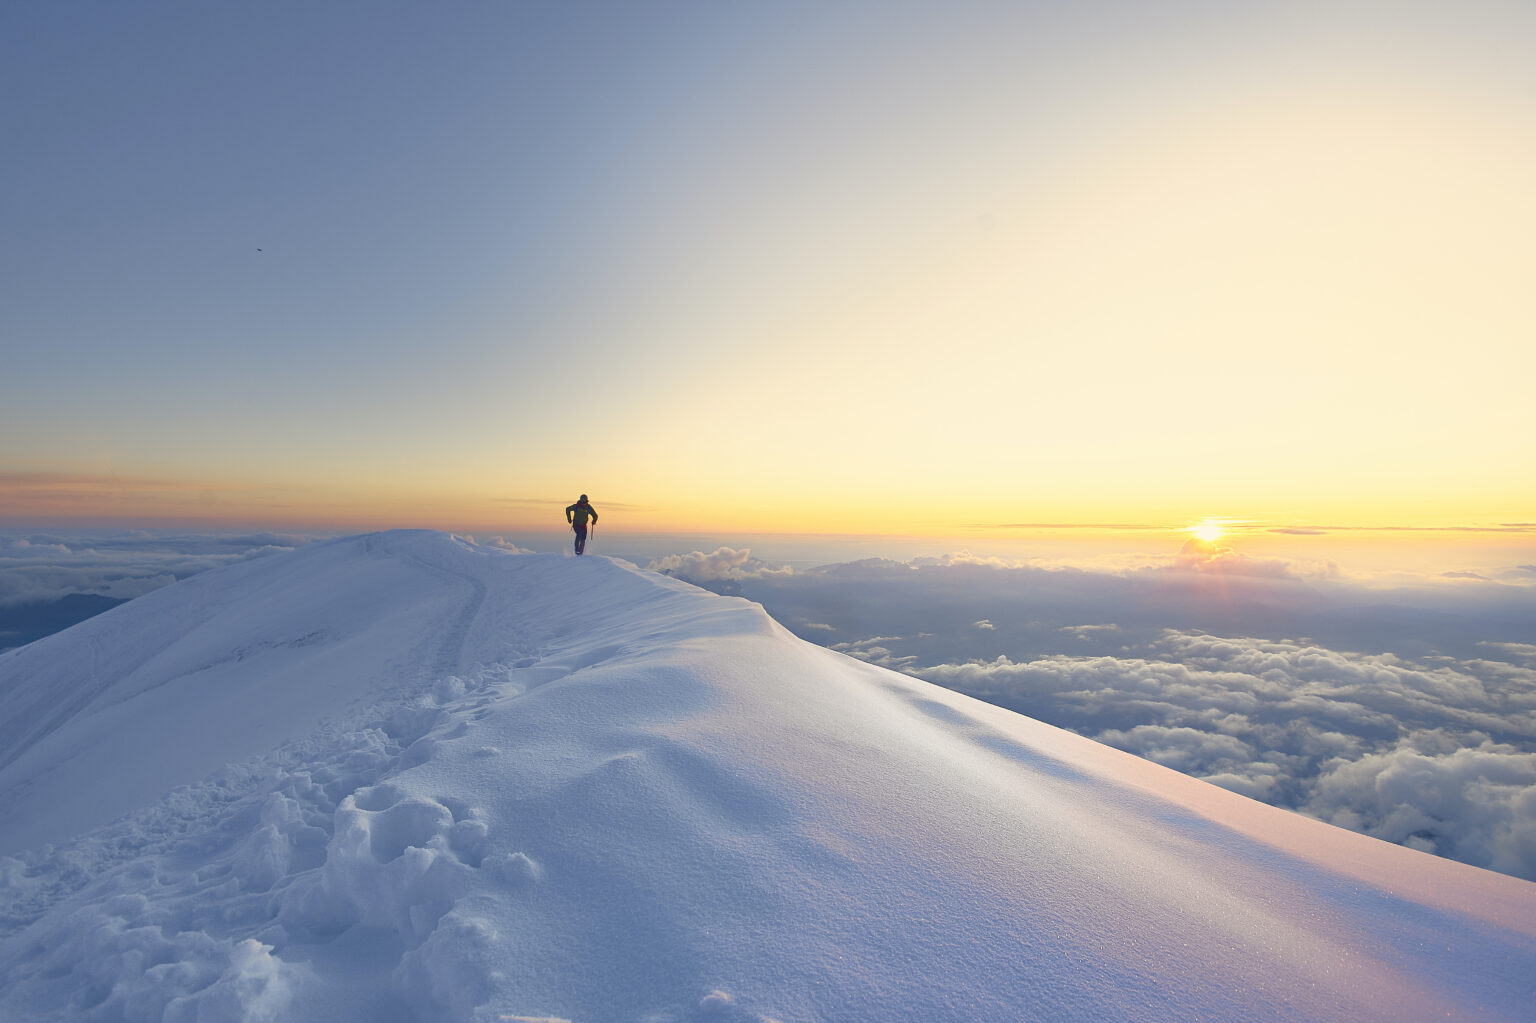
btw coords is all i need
(724, 265)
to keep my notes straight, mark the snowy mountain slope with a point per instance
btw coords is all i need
(222, 666)
(455, 783)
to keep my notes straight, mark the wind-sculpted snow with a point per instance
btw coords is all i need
(464, 784)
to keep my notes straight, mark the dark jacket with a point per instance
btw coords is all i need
(578, 513)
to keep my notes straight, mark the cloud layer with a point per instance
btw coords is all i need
(1439, 755)
(1407, 714)
(40, 567)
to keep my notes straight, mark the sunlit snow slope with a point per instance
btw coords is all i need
(400, 777)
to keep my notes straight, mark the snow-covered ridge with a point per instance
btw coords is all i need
(401, 777)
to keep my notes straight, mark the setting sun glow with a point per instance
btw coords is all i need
(1208, 531)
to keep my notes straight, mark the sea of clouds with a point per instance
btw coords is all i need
(1405, 712)
(41, 567)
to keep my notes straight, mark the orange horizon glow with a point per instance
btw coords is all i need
(40, 498)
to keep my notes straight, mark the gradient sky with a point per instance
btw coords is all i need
(863, 266)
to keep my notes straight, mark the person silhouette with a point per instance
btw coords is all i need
(577, 515)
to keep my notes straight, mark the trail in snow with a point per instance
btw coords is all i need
(499, 786)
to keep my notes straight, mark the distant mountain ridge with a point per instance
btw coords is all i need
(401, 777)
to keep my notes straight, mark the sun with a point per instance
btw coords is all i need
(1208, 531)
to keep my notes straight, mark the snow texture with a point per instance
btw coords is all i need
(401, 777)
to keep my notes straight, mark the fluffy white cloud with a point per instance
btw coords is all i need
(723, 563)
(1182, 748)
(1088, 632)
(1209, 558)
(963, 558)
(1472, 804)
(500, 543)
(1518, 651)
(40, 567)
